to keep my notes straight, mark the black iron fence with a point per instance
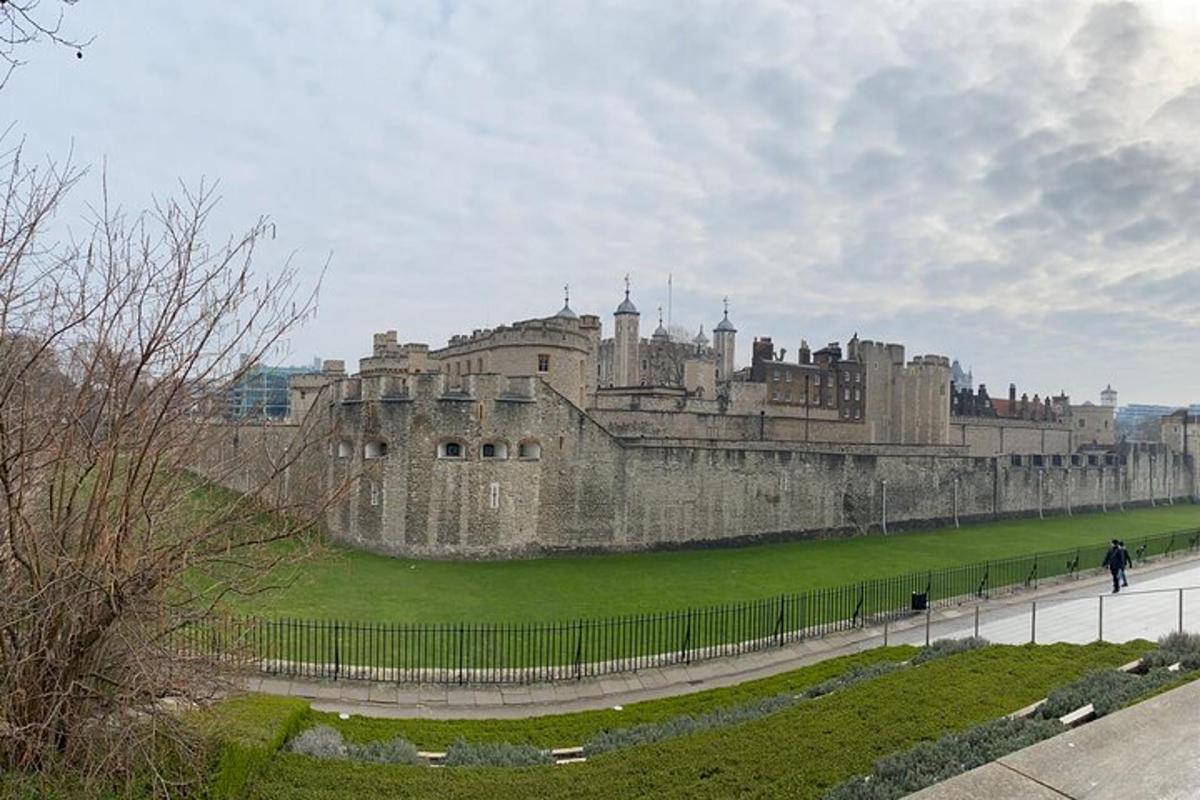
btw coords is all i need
(538, 652)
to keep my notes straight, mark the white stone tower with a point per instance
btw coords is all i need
(723, 344)
(626, 366)
(1108, 397)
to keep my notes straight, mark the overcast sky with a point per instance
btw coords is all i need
(1013, 184)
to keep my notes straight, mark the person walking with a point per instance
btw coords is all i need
(1115, 562)
(1126, 561)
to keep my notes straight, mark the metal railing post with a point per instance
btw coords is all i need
(885, 633)
(1181, 610)
(928, 612)
(1101, 631)
(1033, 623)
(976, 621)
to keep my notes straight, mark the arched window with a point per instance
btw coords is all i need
(531, 451)
(345, 448)
(375, 449)
(452, 450)
(494, 450)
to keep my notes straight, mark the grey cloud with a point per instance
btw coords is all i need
(1114, 37)
(980, 178)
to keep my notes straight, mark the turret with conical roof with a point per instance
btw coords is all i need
(660, 332)
(724, 344)
(566, 312)
(701, 341)
(626, 366)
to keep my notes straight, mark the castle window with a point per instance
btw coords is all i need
(530, 451)
(479, 365)
(1081, 423)
(858, 394)
(787, 377)
(451, 450)
(374, 493)
(858, 377)
(345, 448)
(494, 495)
(846, 394)
(543, 362)
(375, 449)
(495, 450)
(1016, 461)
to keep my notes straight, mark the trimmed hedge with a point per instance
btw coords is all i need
(800, 752)
(1108, 690)
(250, 729)
(563, 730)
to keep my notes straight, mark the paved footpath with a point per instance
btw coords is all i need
(1067, 611)
(1151, 750)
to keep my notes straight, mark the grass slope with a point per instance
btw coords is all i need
(797, 753)
(351, 585)
(567, 730)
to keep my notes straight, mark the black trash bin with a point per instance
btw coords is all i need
(920, 601)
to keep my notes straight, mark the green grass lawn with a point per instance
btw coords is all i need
(339, 583)
(799, 752)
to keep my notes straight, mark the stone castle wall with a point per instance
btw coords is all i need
(566, 483)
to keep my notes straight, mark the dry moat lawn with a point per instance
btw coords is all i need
(338, 583)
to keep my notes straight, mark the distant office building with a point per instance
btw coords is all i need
(1141, 421)
(959, 378)
(262, 392)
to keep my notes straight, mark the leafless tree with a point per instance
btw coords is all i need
(23, 22)
(117, 350)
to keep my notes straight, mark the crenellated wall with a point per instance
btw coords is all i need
(560, 480)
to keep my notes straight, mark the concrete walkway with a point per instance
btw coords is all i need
(1067, 611)
(1150, 750)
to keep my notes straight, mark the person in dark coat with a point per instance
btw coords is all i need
(1127, 560)
(1114, 559)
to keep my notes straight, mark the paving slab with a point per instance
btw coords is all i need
(488, 697)
(319, 691)
(281, 686)
(989, 782)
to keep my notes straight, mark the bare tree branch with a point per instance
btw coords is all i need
(117, 354)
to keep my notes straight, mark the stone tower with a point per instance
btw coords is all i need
(1108, 397)
(723, 344)
(626, 366)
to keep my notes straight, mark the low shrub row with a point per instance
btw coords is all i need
(799, 752)
(1176, 648)
(1107, 690)
(928, 763)
(325, 742)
